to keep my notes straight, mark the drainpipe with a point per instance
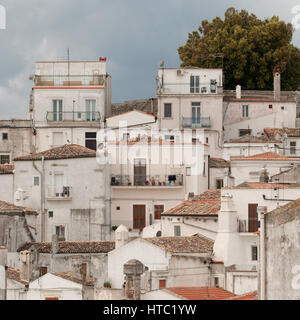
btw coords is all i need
(42, 174)
(261, 211)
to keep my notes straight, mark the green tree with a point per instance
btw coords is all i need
(248, 48)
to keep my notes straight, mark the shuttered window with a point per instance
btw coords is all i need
(139, 216)
(252, 217)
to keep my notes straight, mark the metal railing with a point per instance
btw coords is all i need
(72, 80)
(70, 116)
(171, 180)
(248, 225)
(196, 122)
(55, 192)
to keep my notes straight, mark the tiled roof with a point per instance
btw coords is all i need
(248, 138)
(68, 151)
(264, 185)
(130, 111)
(267, 156)
(273, 132)
(68, 275)
(195, 208)
(285, 211)
(209, 194)
(7, 168)
(202, 293)
(6, 207)
(218, 163)
(247, 296)
(71, 247)
(193, 244)
(14, 274)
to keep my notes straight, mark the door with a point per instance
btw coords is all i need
(90, 110)
(57, 110)
(252, 217)
(58, 183)
(196, 113)
(139, 216)
(140, 172)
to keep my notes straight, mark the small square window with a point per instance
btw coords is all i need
(4, 136)
(188, 171)
(254, 253)
(167, 110)
(270, 106)
(36, 181)
(4, 158)
(177, 231)
(118, 208)
(219, 183)
(50, 213)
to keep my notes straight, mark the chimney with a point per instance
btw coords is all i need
(78, 268)
(25, 265)
(238, 92)
(102, 59)
(133, 270)
(121, 236)
(190, 196)
(264, 176)
(276, 86)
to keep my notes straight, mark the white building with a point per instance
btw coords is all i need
(6, 185)
(69, 101)
(69, 189)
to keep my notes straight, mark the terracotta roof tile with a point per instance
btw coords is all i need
(267, 156)
(202, 293)
(71, 247)
(193, 244)
(6, 208)
(146, 105)
(218, 163)
(14, 274)
(68, 151)
(68, 275)
(7, 168)
(248, 138)
(264, 185)
(247, 296)
(209, 195)
(273, 132)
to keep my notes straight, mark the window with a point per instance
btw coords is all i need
(213, 86)
(43, 271)
(270, 106)
(4, 158)
(140, 177)
(50, 214)
(282, 107)
(4, 136)
(194, 84)
(36, 181)
(57, 110)
(57, 139)
(244, 132)
(169, 138)
(162, 284)
(91, 140)
(216, 281)
(252, 217)
(196, 112)
(219, 183)
(158, 209)
(254, 253)
(188, 171)
(177, 231)
(167, 110)
(245, 109)
(203, 90)
(293, 147)
(206, 140)
(139, 216)
(60, 232)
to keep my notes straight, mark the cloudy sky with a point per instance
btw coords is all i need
(134, 35)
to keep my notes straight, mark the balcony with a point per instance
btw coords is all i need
(158, 181)
(70, 116)
(55, 193)
(67, 81)
(245, 226)
(196, 122)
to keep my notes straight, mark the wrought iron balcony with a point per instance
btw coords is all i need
(171, 180)
(70, 116)
(56, 193)
(196, 122)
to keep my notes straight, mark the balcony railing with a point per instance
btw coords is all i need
(72, 80)
(56, 193)
(70, 116)
(248, 226)
(148, 181)
(196, 122)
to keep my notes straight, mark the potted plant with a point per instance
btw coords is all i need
(114, 228)
(107, 284)
(164, 183)
(153, 181)
(146, 182)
